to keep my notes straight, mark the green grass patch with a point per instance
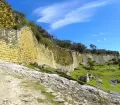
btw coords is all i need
(37, 86)
(53, 71)
(104, 72)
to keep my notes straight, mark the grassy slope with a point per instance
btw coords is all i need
(104, 72)
(37, 86)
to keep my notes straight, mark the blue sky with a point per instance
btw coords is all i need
(85, 21)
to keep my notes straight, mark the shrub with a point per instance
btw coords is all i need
(7, 20)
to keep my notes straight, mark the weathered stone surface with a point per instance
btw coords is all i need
(86, 78)
(83, 94)
(114, 81)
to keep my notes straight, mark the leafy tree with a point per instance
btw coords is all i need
(79, 47)
(44, 33)
(91, 64)
(63, 43)
(93, 47)
(35, 31)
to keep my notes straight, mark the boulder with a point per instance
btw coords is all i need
(99, 80)
(85, 78)
(91, 76)
(113, 81)
(118, 81)
(61, 71)
(45, 66)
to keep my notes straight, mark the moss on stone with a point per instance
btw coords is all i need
(62, 56)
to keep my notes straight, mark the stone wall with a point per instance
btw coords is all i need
(22, 47)
(17, 46)
(100, 59)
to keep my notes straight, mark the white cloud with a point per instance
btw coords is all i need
(99, 41)
(65, 13)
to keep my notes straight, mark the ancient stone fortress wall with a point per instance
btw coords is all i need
(17, 46)
(21, 46)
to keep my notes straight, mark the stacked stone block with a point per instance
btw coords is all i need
(23, 51)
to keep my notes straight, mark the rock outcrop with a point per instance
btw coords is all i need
(80, 94)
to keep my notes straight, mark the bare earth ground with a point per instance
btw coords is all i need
(13, 92)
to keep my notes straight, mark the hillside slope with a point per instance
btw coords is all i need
(74, 93)
(19, 90)
(14, 91)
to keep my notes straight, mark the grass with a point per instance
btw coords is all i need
(40, 100)
(37, 86)
(53, 71)
(103, 72)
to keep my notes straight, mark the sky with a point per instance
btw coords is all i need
(85, 21)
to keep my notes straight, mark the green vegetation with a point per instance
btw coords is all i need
(42, 89)
(90, 64)
(6, 15)
(53, 71)
(62, 56)
(104, 72)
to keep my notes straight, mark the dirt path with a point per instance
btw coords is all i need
(17, 91)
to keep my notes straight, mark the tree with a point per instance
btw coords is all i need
(91, 64)
(79, 47)
(93, 47)
(63, 43)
